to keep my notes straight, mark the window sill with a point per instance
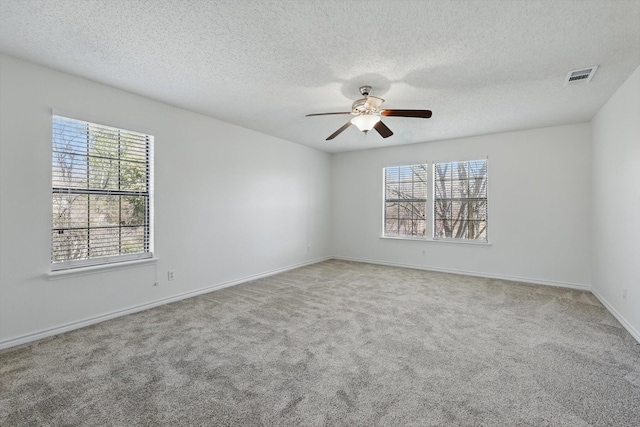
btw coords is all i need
(95, 269)
(439, 241)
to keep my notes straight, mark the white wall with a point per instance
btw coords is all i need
(616, 203)
(230, 203)
(538, 206)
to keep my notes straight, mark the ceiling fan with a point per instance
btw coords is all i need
(367, 115)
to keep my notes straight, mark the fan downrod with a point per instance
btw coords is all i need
(365, 90)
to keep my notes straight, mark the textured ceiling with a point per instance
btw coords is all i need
(481, 66)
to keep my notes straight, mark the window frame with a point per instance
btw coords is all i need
(430, 205)
(145, 194)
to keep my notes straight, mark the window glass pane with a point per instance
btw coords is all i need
(103, 173)
(420, 174)
(442, 209)
(133, 148)
(391, 188)
(478, 230)
(459, 188)
(458, 170)
(103, 242)
(408, 210)
(133, 239)
(477, 169)
(69, 244)
(104, 211)
(442, 171)
(391, 174)
(69, 170)
(69, 211)
(441, 229)
(133, 176)
(405, 190)
(478, 187)
(133, 210)
(405, 173)
(477, 210)
(69, 136)
(459, 229)
(442, 189)
(458, 210)
(391, 227)
(391, 210)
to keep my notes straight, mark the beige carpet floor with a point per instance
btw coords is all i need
(338, 343)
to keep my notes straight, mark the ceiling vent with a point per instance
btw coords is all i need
(578, 77)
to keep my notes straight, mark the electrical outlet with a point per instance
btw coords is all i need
(156, 284)
(169, 275)
(624, 293)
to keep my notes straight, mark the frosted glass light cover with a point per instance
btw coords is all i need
(365, 122)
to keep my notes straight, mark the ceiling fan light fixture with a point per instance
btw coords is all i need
(367, 112)
(365, 122)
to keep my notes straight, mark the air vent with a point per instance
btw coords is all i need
(578, 77)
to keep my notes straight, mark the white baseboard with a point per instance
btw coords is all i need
(35, 336)
(472, 273)
(633, 331)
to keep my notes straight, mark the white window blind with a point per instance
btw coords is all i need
(460, 200)
(101, 194)
(405, 197)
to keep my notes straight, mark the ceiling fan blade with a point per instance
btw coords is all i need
(383, 130)
(424, 114)
(373, 102)
(339, 131)
(326, 114)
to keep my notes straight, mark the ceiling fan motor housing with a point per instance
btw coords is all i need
(358, 106)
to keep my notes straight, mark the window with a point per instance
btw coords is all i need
(405, 197)
(101, 194)
(460, 200)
